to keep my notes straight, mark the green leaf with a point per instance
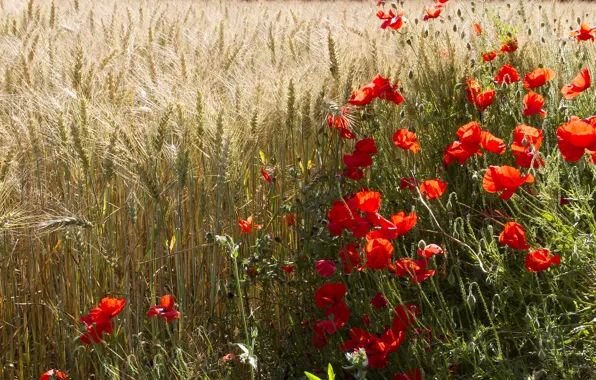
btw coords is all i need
(311, 376)
(330, 372)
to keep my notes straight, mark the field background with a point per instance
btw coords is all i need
(133, 132)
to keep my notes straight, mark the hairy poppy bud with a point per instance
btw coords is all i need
(422, 244)
(455, 27)
(490, 229)
(451, 279)
(471, 300)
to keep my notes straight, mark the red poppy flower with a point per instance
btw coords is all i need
(354, 173)
(492, 143)
(473, 88)
(416, 269)
(252, 272)
(406, 140)
(514, 236)
(433, 188)
(460, 152)
(350, 256)
(378, 253)
(540, 259)
(368, 201)
(538, 78)
(230, 358)
(404, 318)
(534, 103)
(584, 33)
(506, 179)
(580, 83)
(507, 74)
(358, 159)
(484, 99)
(509, 46)
(53, 373)
(489, 56)
(325, 268)
(575, 138)
(379, 301)
(432, 11)
(477, 29)
(408, 182)
(247, 226)
(363, 96)
(266, 176)
(339, 313)
(366, 146)
(526, 142)
(345, 133)
(99, 321)
(330, 294)
(290, 219)
(404, 223)
(377, 348)
(165, 309)
(413, 374)
(287, 268)
(429, 251)
(391, 20)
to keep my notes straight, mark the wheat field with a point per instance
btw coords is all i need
(133, 135)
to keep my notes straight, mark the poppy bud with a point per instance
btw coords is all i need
(410, 74)
(542, 25)
(409, 42)
(579, 21)
(455, 27)
(451, 279)
(402, 114)
(469, 46)
(422, 244)
(426, 33)
(449, 206)
(543, 40)
(416, 21)
(541, 355)
(529, 31)
(475, 177)
(508, 5)
(471, 300)
(509, 34)
(458, 12)
(490, 229)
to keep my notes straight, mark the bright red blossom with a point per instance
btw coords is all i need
(266, 176)
(405, 139)
(514, 236)
(526, 142)
(534, 103)
(53, 373)
(416, 269)
(330, 294)
(404, 318)
(579, 84)
(538, 78)
(509, 46)
(540, 259)
(433, 188)
(165, 309)
(287, 268)
(377, 348)
(577, 137)
(325, 268)
(506, 179)
(368, 201)
(584, 33)
(489, 56)
(99, 321)
(378, 253)
(432, 11)
(246, 226)
(507, 75)
(350, 256)
(430, 250)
